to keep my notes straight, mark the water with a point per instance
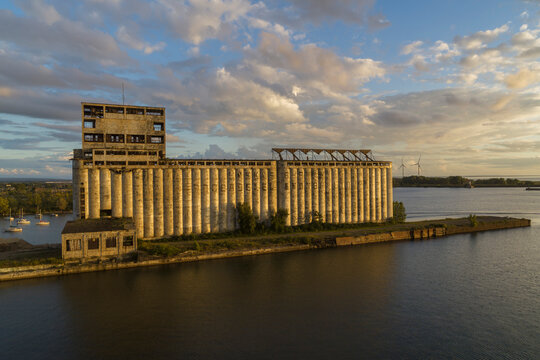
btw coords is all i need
(465, 297)
(37, 234)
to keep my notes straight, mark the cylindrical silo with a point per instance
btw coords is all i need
(335, 195)
(361, 185)
(84, 184)
(378, 194)
(158, 202)
(148, 203)
(367, 194)
(205, 200)
(373, 195)
(328, 194)
(300, 184)
(178, 213)
(284, 190)
(187, 203)
(384, 199)
(294, 196)
(222, 218)
(354, 194)
(264, 194)
(127, 194)
(322, 194)
(341, 186)
(231, 198)
(256, 192)
(272, 188)
(105, 189)
(308, 199)
(348, 197)
(248, 199)
(116, 194)
(168, 202)
(214, 199)
(93, 193)
(315, 191)
(390, 191)
(138, 201)
(196, 200)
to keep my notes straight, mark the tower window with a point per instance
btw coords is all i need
(158, 126)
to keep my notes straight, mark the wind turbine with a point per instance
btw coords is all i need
(418, 164)
(402, 167)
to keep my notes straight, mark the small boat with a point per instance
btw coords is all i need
(13, 228)
(41, 221)
(22, 221)
(10, 218)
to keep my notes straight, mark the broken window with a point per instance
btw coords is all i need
(128, 241)
(114, 110)
(93, 111)
(115, 138)
(155, 112)
(135, 111)
(155, 139)
(93, 244)
(89, 124)
(93, 137)
(135, 138)
(158, 126)
(110, 242)
(73, 245)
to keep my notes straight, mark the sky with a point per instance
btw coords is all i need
(455, 82)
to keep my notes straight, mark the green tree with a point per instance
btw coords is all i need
(4, 205)
(399, 213)
(278, 220)
(247, 222)
(61, 203)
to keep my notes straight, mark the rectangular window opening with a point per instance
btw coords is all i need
(110, 242)
(89, 124)
(93, 244)
(128, 241)
(158, 126)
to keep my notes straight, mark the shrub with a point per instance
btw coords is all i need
(473, 221)
(399, 213)
(247, 222)
(278, 220)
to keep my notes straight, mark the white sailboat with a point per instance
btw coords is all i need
(41, 221)
(22, 220)
(10, 218)
(13, 228)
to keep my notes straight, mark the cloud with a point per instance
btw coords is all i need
(521, 79)
(125, 36)
(480, 39)
(409, 48)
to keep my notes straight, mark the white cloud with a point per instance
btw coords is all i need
(123, 34)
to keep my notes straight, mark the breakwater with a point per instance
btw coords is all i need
(297, 241)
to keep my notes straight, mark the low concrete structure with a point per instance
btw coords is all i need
(88, 238)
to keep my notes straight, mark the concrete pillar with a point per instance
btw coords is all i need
(138, 201)
(231, 198)
(196, 200)
(84, 185)
(384, 199)
(294, 196)
(328, 194)
(205, 201)
(322, 194)
(127, 194)
(284, 190)
(105, 189)
(315, 190)
(248, 199)
(256, 192)
(168, 200)
(158, 202)
(354, 194)
(178, 213)
(187, 203)
(116, 198)
(300, 185)
(361, 185)
(272, 188)
(373, 195)
(335, 195)
(341, 185)
(214, 199)
(308, 199)
(148, 181)
(94, 193)
(222, 218)
(239, 188)
(264, 194)
(367, 195)
(390, 191)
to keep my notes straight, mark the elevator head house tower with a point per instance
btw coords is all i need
(122, 171)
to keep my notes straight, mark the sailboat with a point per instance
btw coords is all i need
(41, 221)
(10, 218)
(22, 220)
(13, 228)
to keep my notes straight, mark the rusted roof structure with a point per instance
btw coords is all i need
(323, 154)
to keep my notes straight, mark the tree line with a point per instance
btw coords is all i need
(459, 181)
(31, 197)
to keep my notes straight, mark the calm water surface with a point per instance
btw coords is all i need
(463, 297)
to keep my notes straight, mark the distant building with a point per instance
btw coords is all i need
(89, 238)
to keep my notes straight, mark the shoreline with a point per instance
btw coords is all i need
(220, 248)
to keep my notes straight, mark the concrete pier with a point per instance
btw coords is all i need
(168, 202)
(138, 201)
(148, 181)
(196, 200)
(187, 203)
(116, 196)
(178, 213)
(94, 193)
